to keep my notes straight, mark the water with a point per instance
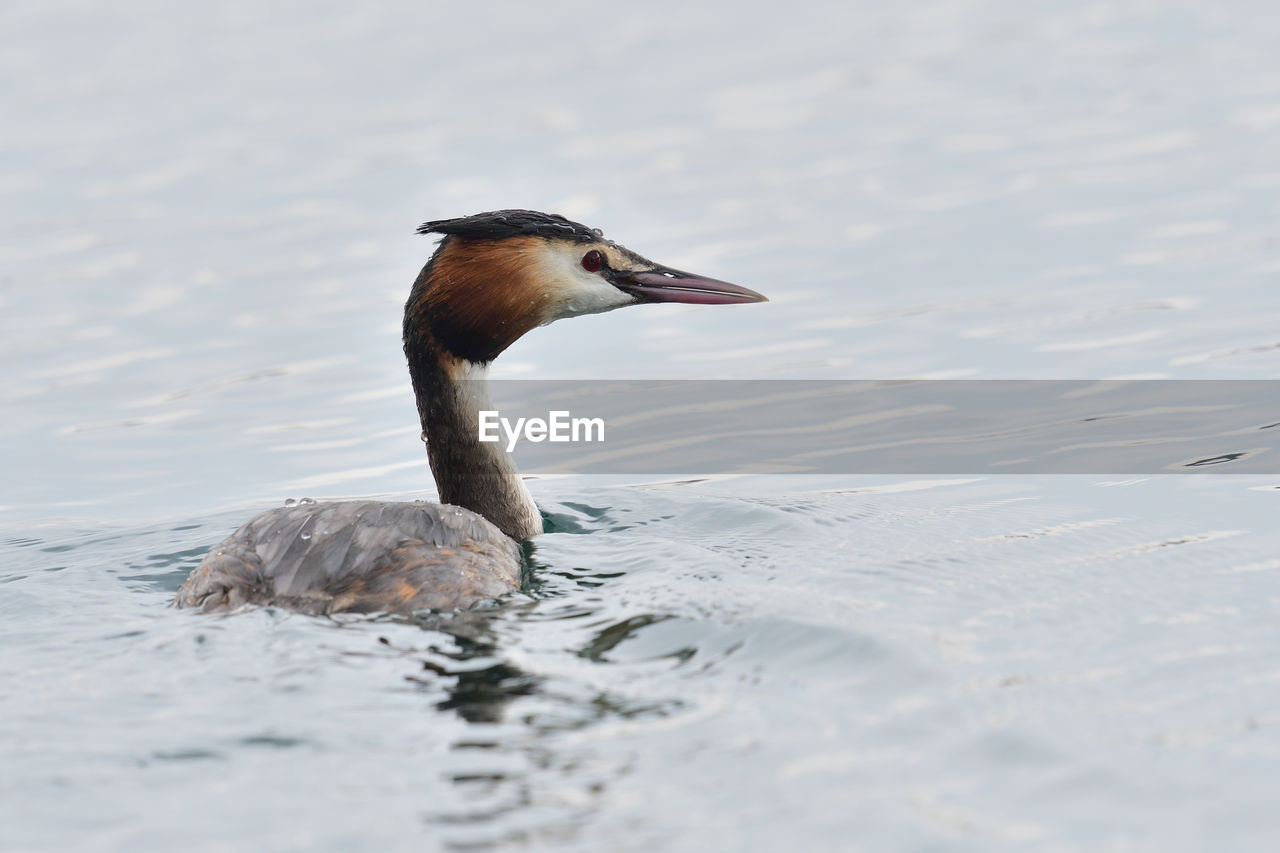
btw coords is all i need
(207, 222)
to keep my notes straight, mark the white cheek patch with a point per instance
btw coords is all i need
(573, 290)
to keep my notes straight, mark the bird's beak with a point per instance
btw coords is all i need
(663, 284)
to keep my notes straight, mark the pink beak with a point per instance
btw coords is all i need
(664, 284)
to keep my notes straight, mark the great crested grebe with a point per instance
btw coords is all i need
(493, 277)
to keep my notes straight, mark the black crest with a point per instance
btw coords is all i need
(500, 224)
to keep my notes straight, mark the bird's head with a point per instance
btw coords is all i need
(498, 275)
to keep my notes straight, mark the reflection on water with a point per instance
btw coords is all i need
(206, 244)
(688, 648)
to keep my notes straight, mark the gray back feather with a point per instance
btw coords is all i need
(358, 555)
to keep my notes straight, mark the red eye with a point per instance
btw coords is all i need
(593, 261)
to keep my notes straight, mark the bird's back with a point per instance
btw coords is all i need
(357, 556)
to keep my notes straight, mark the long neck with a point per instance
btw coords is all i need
(469, 473)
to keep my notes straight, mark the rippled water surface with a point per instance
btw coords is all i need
(205, 240)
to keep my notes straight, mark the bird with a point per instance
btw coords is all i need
(493, 277)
